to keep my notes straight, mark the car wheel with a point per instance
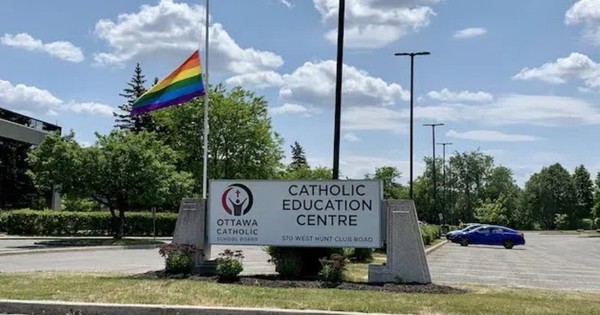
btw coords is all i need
(464, 241)
(508, 244)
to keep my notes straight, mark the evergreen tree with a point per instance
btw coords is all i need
(298, 157)
(135, 89)
(597, 197)
(584, 193)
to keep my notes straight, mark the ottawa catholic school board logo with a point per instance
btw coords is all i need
(237, 200)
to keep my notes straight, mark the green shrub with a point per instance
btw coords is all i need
(229, 265)
(177, 263)
(79, 204)
(178, 257)
(361, 255)
(308, 257)
(597, 223)
(332, 270)
(47, 222)
(430, 233)
(289, 268)
(585, 224)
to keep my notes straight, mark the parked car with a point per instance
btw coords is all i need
(490, 235)
(469, 227)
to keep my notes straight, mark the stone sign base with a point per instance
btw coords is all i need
(406, 260)
(190, 229)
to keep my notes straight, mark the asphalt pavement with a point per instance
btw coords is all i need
(546, 261)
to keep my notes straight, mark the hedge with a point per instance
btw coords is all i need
(47, 222)
(430, 233)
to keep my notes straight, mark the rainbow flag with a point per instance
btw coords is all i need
(183, 84)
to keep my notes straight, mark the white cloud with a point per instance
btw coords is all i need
(171, 28)
(287, 3)
(586, 12)
(374, 118)
(469, 33)
(314, 83)
(489, 135)
(576, 65)
(376, 23)
(62, 50)
(351, 137)
(515, 109)
(290, 109)
(462, 96)
(30, 99)
(257, 80)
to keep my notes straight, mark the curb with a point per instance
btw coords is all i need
(75, 249)
(435, 247)
(61, 308)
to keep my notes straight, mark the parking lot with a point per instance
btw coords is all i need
(547, 261)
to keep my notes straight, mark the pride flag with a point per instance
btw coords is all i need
(183, 84)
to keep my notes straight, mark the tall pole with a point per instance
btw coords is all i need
(338, 90)
(412, 75)
(433, 162)
(444, 195)
(206, 101)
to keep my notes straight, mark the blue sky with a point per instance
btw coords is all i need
(519, 80)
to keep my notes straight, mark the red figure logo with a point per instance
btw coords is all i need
(237, 199)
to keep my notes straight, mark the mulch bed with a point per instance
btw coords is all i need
(274, 282)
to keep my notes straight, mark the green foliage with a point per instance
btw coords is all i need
(124, 120)
(585, 224)
(596, 210)
(494, 212)
(72, 204)
(308, 258)
(430, 233)
(584, 193)
(178, 257)
(289, 267)
(318, 173)
(35, 222)
(390, 176)
(229, 265)
(332, 270)
(124, 171)
(242, 142)
(178, 262)
(360, 255)
(298, 157)
(560, 221)
(597, 223)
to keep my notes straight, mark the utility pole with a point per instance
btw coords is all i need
(412, 66)
(444, 144)
(433, 162)
(338, 90)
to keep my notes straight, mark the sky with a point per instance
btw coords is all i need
(519, 80)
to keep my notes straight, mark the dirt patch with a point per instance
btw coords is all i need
(274, 282)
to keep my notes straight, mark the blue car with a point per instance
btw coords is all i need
(490, 235)
(470, 226)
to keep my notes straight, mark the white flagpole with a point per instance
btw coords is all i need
(206, 100)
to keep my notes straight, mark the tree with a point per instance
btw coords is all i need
(135, 89)
(494, 212)
(597, 197)
(242, 143)
(298, 157)
(390, 176)
(123, 171)
(584, 194)
(500, 187)
(307, 173)
(548, 193)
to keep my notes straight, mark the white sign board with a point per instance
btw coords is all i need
(342, 213)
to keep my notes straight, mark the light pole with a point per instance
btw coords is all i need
(338, 90)
(444, 144)
(433, 162)
(412, 72)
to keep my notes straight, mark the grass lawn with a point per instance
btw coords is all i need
(114, 288)
(97, 242)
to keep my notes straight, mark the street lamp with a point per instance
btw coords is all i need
(433, 162)
(412, 66)
(444, 144)
(338, 90)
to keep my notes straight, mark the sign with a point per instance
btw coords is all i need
(342, 213)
